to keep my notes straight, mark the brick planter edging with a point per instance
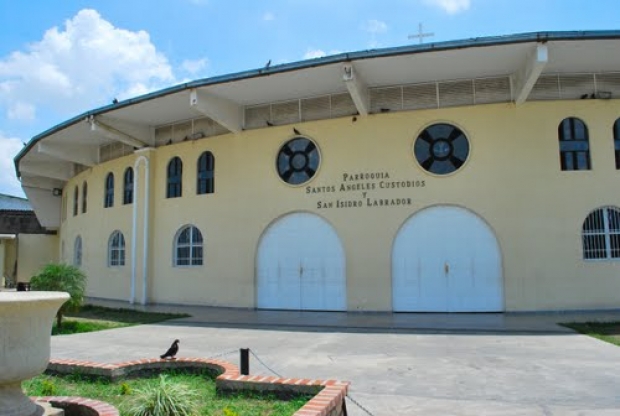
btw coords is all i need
(80, 405)
(328, 400)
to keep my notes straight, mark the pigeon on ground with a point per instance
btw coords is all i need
(172, 351)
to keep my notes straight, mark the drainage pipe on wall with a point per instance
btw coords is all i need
(132, 298)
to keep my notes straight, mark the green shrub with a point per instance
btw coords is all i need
(164, 399)
(229, 412)
(48, 388)
(62, 278)
(125, 389)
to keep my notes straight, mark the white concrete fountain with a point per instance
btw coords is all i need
(25, 331)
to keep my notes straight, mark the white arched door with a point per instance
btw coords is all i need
(300, 265)
(446, 259)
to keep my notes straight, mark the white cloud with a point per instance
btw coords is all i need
(450, 6)
(193, 66)
(375, 27)
(312, 53)
(9, 147)
(268, 17)
(21, 111)
(86, 63)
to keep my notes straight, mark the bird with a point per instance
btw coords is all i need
(296, 131)
(172, 351)
(268, 64)
(115, 101)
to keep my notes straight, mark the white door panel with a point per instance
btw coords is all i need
(446, 259)
(311, 265)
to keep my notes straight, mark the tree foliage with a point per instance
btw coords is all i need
(60, 277)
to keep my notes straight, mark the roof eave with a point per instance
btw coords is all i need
(327, 60)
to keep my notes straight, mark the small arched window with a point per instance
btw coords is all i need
(574, 144)
(84, 197)
(175, 178)
(617, 142)
(116, 249)
(601, 234)
(76, 204)
(188, 247)
(128, 186)
(205, 180)
(77, 252)
(109, 191)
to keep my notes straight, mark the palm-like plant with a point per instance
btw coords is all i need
(60, 277)
(164, 399)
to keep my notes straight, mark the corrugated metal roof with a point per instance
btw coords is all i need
(14, 203)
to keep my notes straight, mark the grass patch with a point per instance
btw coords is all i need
(96, 318)
(605, 331)
(121, 393)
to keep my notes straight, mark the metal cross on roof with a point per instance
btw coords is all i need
(421, 35)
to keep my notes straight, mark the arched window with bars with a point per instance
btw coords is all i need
(128, 186)
(76, 204)
(109, 191)
(84, 197)
(175, 178)
(188, 247)
(205, 180)
(116, 249)
(601, 234)
(574, 144)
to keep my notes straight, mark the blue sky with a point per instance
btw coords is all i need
(61, 58)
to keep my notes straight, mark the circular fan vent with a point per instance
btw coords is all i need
(441, 149)
(298, 160)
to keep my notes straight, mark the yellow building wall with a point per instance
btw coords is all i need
(10, 258)
(33, 252)
(512, 180)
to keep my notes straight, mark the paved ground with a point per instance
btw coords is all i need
(403, 364)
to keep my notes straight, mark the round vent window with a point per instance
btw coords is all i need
(298, 161)
(441, 149)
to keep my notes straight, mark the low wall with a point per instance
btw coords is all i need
(328, 400)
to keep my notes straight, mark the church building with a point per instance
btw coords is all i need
(480, 175)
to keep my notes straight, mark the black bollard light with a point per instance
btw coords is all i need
(244, 361)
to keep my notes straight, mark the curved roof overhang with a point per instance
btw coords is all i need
(47, 162)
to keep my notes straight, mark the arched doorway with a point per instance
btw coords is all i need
(300, 265)
(446, 259)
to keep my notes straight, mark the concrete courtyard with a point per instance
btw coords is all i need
(405, 364)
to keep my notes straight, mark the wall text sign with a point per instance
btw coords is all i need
(363, 183)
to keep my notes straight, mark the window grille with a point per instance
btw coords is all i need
(175, 178)
(601, 234)
(617, 142)
(109, 191)
(77, 252)
(128, 186)
(188, 250)
(116, 249)
(574, 144)
(76, 193)
(206, 177)
(84, 197)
